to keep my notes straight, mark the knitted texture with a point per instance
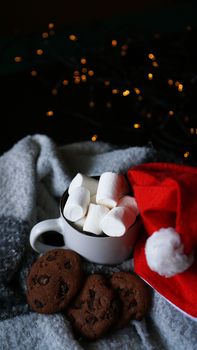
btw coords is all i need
(33, 176)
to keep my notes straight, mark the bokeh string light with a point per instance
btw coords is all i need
(141, 87)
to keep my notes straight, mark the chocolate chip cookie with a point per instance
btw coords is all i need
(134, 295)
(95, 309)
(54, 280)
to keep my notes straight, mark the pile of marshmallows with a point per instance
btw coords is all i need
(101, 206)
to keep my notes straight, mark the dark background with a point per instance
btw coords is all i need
(166, 27)
(32, 16)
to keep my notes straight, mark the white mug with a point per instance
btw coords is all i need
(98, 249)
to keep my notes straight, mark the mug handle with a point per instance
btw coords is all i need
(41, 227)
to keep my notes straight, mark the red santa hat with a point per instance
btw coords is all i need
(164, 256)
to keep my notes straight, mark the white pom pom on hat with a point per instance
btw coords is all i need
(164, 253)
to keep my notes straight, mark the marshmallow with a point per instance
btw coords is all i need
(77, 204)
(111, 188)
(117, 221)
(79, 223)
(93, 199)
(94, 216)
(85, 181)
(130, 202)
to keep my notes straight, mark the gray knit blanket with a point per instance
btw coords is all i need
(33, 175)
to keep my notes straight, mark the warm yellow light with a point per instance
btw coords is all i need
(77, 80)
(115, 91)
(180, 87)
(39, 52)
(45, 35)
(186, 154)
(177, 83)
(73, 37)
(65, 82)
(84, 70)
(150, 76)
(126, 93)
(83, 60)
(34, 73)
(107, 82)
(94, 138)
(54, 92)
(149, 115)
(151, 56)
(137, 126)
(114, 43)
(51, 25)
(83, 78)
(137, 91)
(171, 113)
(155, 64)
(49, 113)
(193, 131)
(91, 104)
(18, 59)
(91, 73)
(170, 82)
(108, 104)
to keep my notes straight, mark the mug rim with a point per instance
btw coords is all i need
(87, 233)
